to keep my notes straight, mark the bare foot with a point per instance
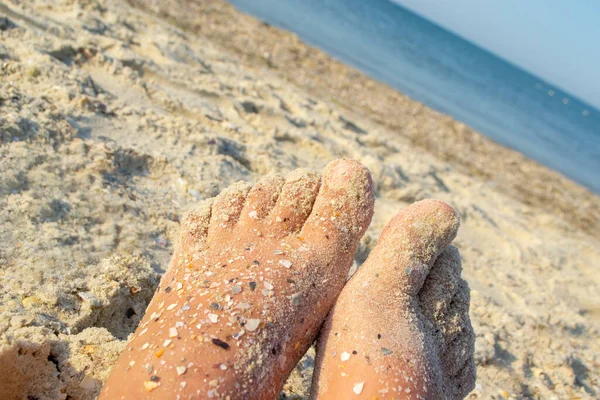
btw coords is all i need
(400, 328)
(254, 275)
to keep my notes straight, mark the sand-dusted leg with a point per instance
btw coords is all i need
(255, 274)
(400, 328)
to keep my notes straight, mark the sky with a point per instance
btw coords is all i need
(556, 40)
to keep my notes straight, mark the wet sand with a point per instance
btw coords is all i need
(117, 117)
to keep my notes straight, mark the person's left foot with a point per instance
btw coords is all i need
(400, 329)
(248, 287)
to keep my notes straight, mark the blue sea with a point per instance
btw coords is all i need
(447, 73)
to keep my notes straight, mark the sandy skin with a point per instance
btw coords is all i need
(401, 329)
(257, 272)
(253, 278)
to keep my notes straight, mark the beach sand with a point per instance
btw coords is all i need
(115, 117)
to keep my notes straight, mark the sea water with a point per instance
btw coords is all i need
(447, 73)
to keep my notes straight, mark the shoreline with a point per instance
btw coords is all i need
(357, 93)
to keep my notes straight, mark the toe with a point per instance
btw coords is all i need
(295, 202)
(343, 209)
(194, 227)
(457, 354)
(411, 242)
(226, 209)
(457, 331)
(463, 382)
(261, 199)
(442, 283)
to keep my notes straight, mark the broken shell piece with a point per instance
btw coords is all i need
(31, 301)
(243, 306)
(358, 387)
(252, 325)
(285, 263)
(150, 385)
(345, 356)
(214, 318)
(296, 299)
(87, 383)
(238, 335)
(173, 332)
(181, 370)
(90, 298)
(386, 352)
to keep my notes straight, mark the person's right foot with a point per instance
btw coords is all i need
(400, 328)
(255, 273)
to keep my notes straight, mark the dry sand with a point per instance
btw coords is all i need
(115, 117)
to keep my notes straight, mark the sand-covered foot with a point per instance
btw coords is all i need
(400, 328)
(249, 285)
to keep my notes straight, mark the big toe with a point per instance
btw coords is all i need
(410, 244)
(343, 209)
